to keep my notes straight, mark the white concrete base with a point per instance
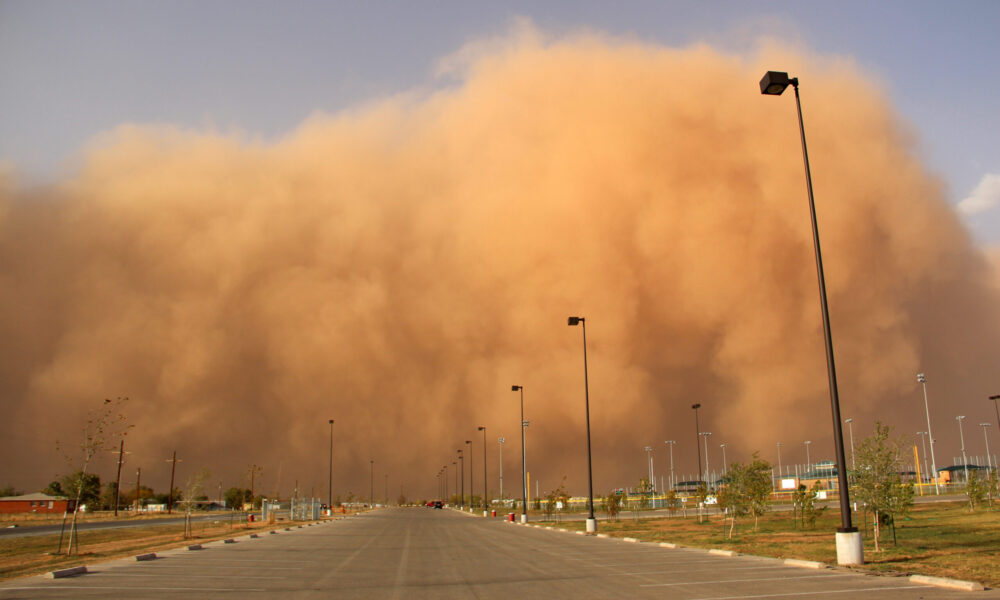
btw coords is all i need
(524, 518)
(850, 548)
(486, 513)
(955, 584)
(591, 525)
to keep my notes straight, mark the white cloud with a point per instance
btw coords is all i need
(985, 197)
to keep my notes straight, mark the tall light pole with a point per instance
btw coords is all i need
(697, 441)
(808, 462)
(329, 495)
(779, 460)
(670, 444)
(371, 492)
(461, 477)
(472, 487)
(485, 487)
(850, 548)
(524, 464)
(724, 463)
(989, 461)
(965, 461)
(850, 428)
(930, 435)
(500, 442)
(649, 457)
(704, 435)
(923, 450)
(454, 466)
(591, 521)
(995, 409)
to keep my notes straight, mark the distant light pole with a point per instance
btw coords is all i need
(697, 440)
(500, 442)
(704, 435)
(850, 427)
(779, 460)
(930, 435)
(989, 461)
(850, 547)
(472, 487)
(649, 457)
(524, 463)
(371, 494)
(995, 409)
(591, 521)
(670, 444)
(923, 451)
(485, 490)
(461, 477)
(724, 463)
(454, 465)
(965, 461)
(808, 462)
(329, 496)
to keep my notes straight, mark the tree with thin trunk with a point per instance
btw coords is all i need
(878, 484)
(104, 427)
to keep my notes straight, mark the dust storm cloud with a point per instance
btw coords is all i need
(398, 266)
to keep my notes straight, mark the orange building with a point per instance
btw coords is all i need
(35, 503)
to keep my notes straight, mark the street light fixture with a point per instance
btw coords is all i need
(524, 467)
(989, 461)
(697, 440)
(485, 502)
(850, 548)
(591, 521)
(965, 461)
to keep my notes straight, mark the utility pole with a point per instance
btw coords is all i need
(118, 478)
(173, 470)
(254, 469)
(500, 442)
(138, 478)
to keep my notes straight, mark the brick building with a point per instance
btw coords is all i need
(35, 503)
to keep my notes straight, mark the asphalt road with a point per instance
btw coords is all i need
(32, 530)
(426, 553)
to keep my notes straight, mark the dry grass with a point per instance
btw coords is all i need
(945, 540)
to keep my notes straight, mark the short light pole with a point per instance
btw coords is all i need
(485, 490)
(524, 463)
(808, 462)
(591, 521)
(923, 451)
(697, 441)
(472, 486)
(371, 491)
(850, 547)
(500, 442)
(965, 461)
(329, 494)
(989, 461)
(649, 458)
(724, 463)
(670, 444)
(930, 435)
(850, 428)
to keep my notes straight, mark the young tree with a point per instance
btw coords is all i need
(104, 427)
(613, 505)
(192, 492)
(878, 483)
(701, 495)
(758, 487)
(976, 490)
(645, 491)
(732, 496)
(673, 502)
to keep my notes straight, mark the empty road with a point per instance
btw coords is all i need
(426, 553)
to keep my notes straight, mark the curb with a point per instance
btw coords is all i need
(147, 556)
(631, 539)
(718, 552)
(955, 584)
(667, 545)
(806, 564)
(603, 535)
(66, 572)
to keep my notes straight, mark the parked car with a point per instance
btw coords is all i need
(438, 504)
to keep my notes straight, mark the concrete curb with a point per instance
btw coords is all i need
(954, 584)
(631, 539)
(147, 556)
(806, 564)
(66, 572)
(667, 545)
(718, 552)
(603, 535)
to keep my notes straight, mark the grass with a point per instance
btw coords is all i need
(32, 555)
(944, 540)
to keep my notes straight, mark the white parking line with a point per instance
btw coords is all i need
(733, 580)
(749, 568)
(56, 588)
(216, 576)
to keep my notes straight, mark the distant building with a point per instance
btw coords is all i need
(35, 503)
(956, 473)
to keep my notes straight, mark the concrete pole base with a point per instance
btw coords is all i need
(524, 518)
(850, 548)
(591, 525)
(486, 513)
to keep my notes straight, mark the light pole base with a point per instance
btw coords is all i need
(850, 548)
(486, 513)
(524, 518)
(591, 525)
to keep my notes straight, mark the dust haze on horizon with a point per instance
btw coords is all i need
(399, 265)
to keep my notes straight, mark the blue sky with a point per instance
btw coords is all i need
(71, 70)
